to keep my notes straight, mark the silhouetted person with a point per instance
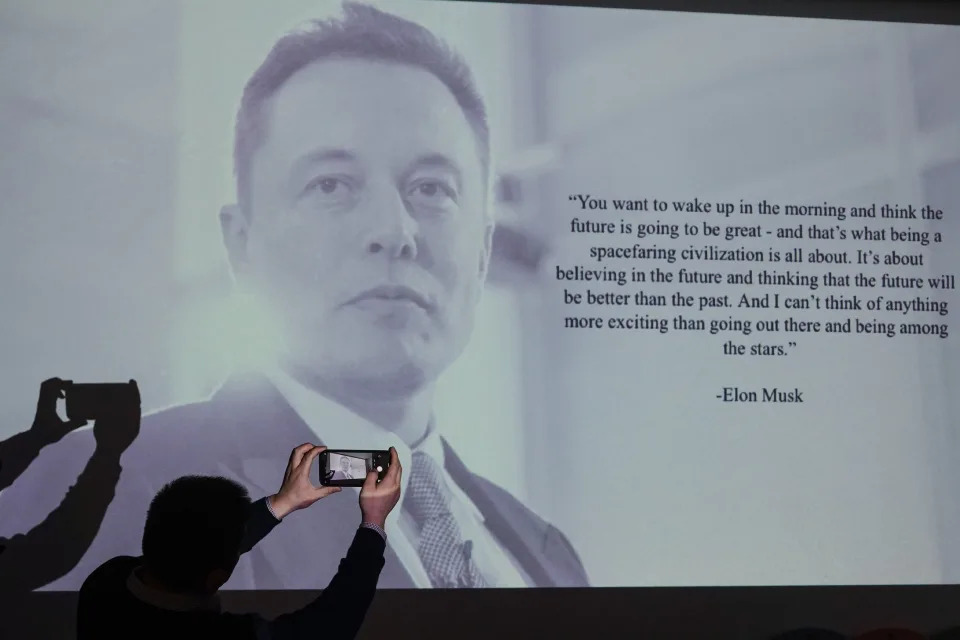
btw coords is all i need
(196, 530)
(55, 546)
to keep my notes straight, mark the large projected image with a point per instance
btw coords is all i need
(641, 298)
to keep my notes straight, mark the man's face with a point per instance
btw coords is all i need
(367, 235)
(344, 464)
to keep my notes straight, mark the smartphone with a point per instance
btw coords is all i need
(349, 467)
(88, 401)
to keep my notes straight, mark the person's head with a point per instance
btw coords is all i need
(193, 532)
(363, 221)
(344, 463)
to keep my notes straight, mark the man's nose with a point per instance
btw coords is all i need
(393, 229)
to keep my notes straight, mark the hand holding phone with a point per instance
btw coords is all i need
(380, 494)
(297, 491)
(115, 409)
(47, 425)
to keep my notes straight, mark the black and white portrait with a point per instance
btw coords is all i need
(361, 235)
(344, 467)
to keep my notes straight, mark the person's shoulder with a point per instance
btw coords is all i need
(111, 573)
(200, 422)
(242, 400)
(176, 415)
(169, 429)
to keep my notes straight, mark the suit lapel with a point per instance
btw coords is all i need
(518, 533)
(305, 550)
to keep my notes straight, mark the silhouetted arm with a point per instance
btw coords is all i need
(260, 522)
(297, 492)
(339, 612)
(54, 547)
(16, 454)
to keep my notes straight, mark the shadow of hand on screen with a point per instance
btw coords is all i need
(20, 450)
(52, 548)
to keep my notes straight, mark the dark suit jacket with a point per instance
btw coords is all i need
(245, 431)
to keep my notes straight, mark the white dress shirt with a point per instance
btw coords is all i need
(339, 428)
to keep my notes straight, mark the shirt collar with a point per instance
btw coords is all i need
(170, 601)
(335, 425)
(338, 427)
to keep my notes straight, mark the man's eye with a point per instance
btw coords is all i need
(430, 189)
(326, 185)
(432, 192)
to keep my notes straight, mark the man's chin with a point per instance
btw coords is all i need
(389, 376)
(392, 357)
(401, 336)
(386, 355)
(393, 317)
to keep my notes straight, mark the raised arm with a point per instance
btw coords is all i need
(53, 548)
(340, 610)
(296, 492)
(260, 522)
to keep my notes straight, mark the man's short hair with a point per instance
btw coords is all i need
(364, 33)
(195, 524)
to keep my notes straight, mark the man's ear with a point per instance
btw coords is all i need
(235, 225)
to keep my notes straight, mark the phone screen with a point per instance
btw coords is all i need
(347, 468)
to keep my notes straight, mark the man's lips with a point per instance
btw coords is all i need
(394, 293)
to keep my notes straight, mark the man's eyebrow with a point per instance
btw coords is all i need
(323, 155)
(437, 161)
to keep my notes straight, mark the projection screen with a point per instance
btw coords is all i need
(664, 296)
